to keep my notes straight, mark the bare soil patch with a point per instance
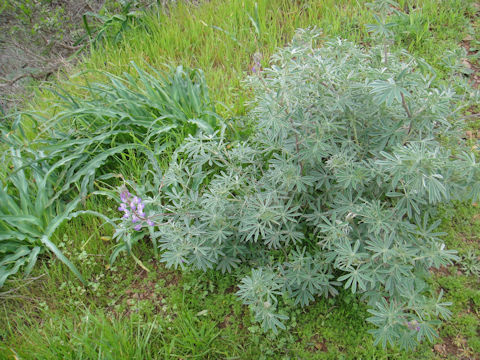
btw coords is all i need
(37, 40)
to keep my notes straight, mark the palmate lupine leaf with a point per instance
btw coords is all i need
(270, 320)
(386, 91)
(387, 316)
(427, 330)
(441, 308)
(381, 28)
(356, 278)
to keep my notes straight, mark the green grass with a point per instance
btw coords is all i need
(127, 313)
(195, 314)
(219, 37)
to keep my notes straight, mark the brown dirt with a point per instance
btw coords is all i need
(227, 321)
(441, 271)
(470, 239)
(475, 76)
(232, 289)
(456, 347)
(38, 46)
(317, 344)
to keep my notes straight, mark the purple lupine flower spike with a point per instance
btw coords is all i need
(140, 208)
(125, 195)
(413, 325)
(133, 208)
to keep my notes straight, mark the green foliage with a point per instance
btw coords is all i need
(470, 263)
(126, 114)
(146, 113)
(35, 17)
(217, 36)
(29, 217)
(91, 336)
(145, 105)
(336, 187)
(111, 25)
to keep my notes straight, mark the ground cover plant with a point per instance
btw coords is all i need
(172, 314)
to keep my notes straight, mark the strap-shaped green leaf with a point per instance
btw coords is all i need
(53, 248)
(5, 272)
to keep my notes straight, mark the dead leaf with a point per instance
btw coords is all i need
(440, 348)
(466, 63)
(320, 346)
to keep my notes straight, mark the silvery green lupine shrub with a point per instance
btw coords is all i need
(337, 187)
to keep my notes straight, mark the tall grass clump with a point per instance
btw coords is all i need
(30, 214)
(147, 105)
(144, 107)
(337, 187)
(94, 127)
(88, 138)
(94, 335)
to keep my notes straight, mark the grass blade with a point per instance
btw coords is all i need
(52, 247)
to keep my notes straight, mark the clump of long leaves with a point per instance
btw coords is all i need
(149, 107)
(145, 113)
(28, 216)
(337, 187)
(147, 104)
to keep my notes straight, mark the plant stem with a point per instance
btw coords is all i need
(385, 50)
(404, 104)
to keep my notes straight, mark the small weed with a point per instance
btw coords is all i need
(470, 263)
